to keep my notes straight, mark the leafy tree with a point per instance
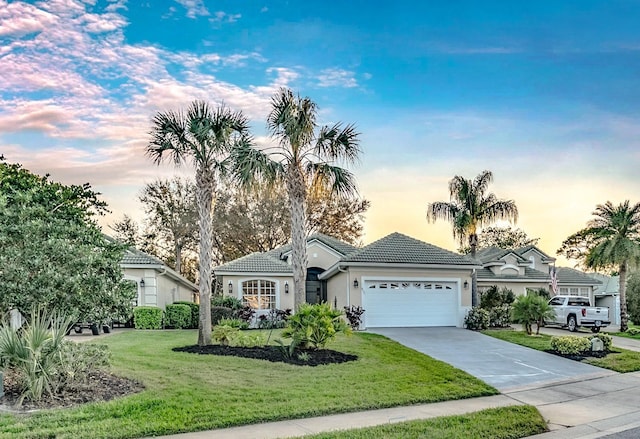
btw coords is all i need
(471, 207)
(204, 137)
(306, 160)
(633, 297)
(259, 220)
(611, 240)
(52, 253)
(501, 237)
(170, 227)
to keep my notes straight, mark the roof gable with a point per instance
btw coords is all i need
(397, 248)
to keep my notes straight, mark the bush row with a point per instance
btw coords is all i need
(575, 345)
(178, 315)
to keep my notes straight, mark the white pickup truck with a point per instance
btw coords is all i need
(576, 311)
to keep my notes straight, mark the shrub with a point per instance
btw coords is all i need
(227, 302)
(249, 339)
(495, 297)
(220, 312)
(224, 334)
(177, 316)
(315, 325)
(500, 316)
(354, 315)
(195, 313)
(532, 309)
(245, 314)
(570, 344)
(33, 352)
(234, 323)
(633, 331)
(77, 360)
(477, 319)
(607, 341)
(275, 319)
(147, 317)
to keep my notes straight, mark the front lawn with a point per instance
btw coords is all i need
(499, 423)
(619, 360)
(190, 392)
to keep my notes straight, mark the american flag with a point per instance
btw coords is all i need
(554, 281)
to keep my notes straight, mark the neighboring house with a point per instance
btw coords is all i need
(529, 268)
(608, 294)
(398, 280)
(157, 284)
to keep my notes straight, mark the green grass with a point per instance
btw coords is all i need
(189, 392)
(619, 360)
(499, 423)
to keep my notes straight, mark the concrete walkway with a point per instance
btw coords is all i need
(602, 406)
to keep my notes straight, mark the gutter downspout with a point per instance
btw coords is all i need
(341, 270)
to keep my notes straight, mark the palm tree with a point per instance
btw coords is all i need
(469, 209)
(204, 138)
(307, 158)
(611, 241)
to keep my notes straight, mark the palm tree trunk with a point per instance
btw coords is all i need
(205, 182)
(473, 243)
(297, 195)
(623, 297)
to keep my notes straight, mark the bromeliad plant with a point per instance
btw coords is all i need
(313, 326)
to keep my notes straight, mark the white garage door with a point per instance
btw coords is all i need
(410, 303)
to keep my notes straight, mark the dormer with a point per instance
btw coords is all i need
(538, 260)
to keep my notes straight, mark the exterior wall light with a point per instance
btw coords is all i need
(142, 283)
(355, 283)
(230, 288)
(286, 287)
(466, 285)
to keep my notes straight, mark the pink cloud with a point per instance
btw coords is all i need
(18, 19)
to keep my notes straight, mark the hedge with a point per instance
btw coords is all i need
(220, 312)
(195, 313)
(147, 317)
(177, 316)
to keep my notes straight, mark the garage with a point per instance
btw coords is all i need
(405, 303)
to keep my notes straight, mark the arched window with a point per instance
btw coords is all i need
(259, 294)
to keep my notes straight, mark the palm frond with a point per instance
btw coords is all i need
(292, 120)
(250, 165)
(338, 143)
(335, 179)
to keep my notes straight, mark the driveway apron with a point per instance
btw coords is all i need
(505, 366)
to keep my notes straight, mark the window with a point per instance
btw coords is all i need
(574, 291)
(556, 301)
(259, 294)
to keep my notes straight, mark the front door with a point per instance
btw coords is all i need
(314, 287)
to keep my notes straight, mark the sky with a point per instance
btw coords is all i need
(545, 94)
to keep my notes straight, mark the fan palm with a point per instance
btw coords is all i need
(611, 241)
(307, 158)
(470, 208)
(205, 138)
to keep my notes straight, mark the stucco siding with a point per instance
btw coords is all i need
(283, 300)
(319, 256)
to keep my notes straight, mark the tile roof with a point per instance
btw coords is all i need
(401, 249)
(529, 274)
(490, 254)
(133, 256)
(268, 262)
(571, 276)
(341, 247)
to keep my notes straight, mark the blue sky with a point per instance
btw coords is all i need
(545, 94)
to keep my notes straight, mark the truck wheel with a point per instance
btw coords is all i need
(595, 329)
(571, 324)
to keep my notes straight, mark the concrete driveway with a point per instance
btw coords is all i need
(506, 366)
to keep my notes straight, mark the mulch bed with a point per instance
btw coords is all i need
(582, 356)
(100, 386)
(301, 357)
